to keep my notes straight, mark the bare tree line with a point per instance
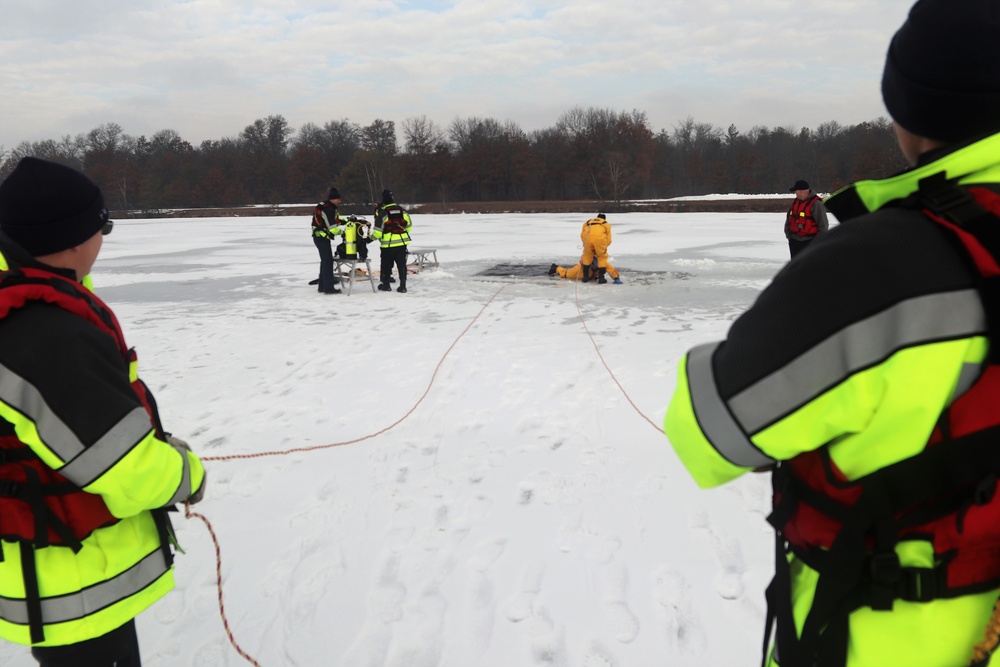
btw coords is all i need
(592, 153)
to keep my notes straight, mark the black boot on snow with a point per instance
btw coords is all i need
(384, 287)
(552, 270)
(586, 274)
(601, 280)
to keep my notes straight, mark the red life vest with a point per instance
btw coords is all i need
(848, 530)
(800, 218)
(37, 504)
(395, 222)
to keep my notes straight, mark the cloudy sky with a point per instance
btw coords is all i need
(209, 68)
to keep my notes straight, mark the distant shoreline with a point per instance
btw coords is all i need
(728, 204)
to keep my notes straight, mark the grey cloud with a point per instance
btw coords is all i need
(208, 62)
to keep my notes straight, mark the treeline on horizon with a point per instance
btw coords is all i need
(593, 153)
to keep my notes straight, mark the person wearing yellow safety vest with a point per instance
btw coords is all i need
(86, 470)
(866, 378)
(392, 230)
(596, 237)
(806, 218)
(326, 226)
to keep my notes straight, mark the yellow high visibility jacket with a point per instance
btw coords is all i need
(326, 221)
(70, 393)
(392, 226)
(855, 350)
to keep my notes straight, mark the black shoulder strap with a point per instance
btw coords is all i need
(945, 198)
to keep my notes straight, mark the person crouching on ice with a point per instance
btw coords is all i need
(575, 272)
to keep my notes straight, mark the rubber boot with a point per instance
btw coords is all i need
(552, 270)
(586, 273)
(601, 280)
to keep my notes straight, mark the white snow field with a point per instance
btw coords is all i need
(506, 497)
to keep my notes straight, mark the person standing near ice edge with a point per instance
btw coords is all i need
(326, 225)
(86, 470)
(880, 415)
(806, 218)
(596, 237)
(392, 229)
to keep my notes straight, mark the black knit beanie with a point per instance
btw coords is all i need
(334, 193)
(387, 197)
(46, 207)
(942, 73)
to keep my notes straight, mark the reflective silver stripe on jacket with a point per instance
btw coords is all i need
(84, 464)
(184, 488)
(92, 599)
(922, 320)
(714, 418)
(22, 396)
(94, 461)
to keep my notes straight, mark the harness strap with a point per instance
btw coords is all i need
(779, 605)
(945, 200)
(32, 597)
(33, 492)
(853, 576)
(165, 530)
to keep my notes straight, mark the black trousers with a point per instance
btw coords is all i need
(795, 247)
(326, 282)
(118, 648)
(392, 256)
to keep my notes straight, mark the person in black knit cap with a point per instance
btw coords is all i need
(865, 379)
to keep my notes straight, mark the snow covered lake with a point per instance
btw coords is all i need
(505, 497)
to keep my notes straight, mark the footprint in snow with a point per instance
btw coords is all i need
(620, 619)
(386, 599)
(674, 604)
(547, 643)
(421, 642)
(482, 592)
(521, 605)
(599, 656)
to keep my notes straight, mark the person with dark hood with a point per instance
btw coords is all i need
(866, 379)
(392, 230)
(326, 226)
(806, 218)
(87, 472)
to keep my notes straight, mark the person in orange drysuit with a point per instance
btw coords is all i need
(575, 272)
(596, 237)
